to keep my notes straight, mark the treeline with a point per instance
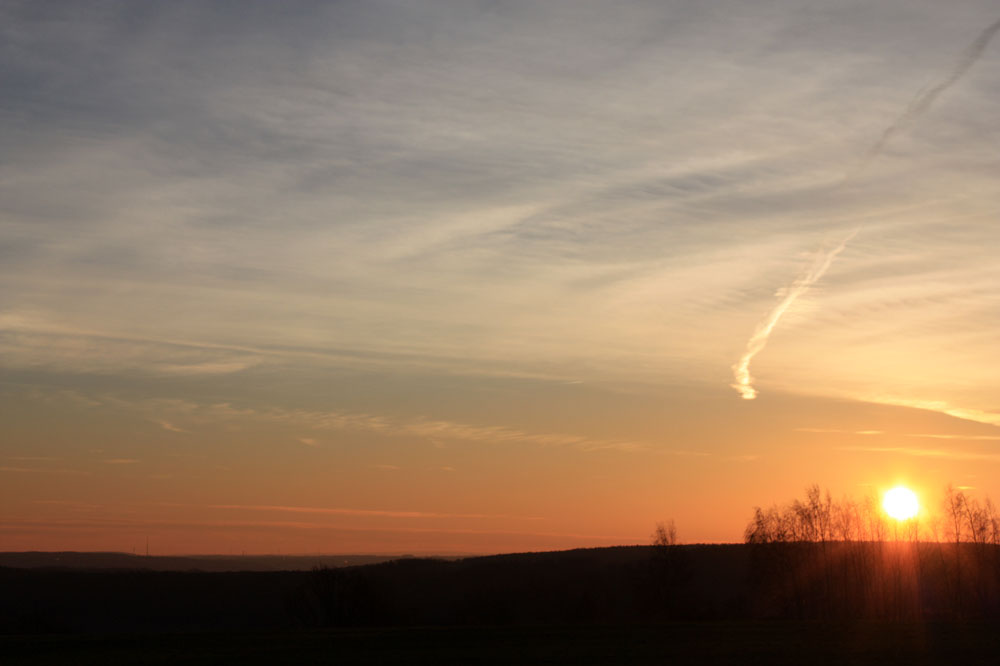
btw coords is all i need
(820, 518)
(818, 558)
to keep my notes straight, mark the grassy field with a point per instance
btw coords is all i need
(701, 643)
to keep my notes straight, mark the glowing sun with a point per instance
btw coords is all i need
(901, 503)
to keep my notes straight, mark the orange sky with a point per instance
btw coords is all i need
(436, 277)
(108, 474)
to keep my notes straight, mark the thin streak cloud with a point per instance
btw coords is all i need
(379, 513)
(925, 98)
(971, 438)
(39, 470)
(186, 412)
(926, 453)
(840, 432)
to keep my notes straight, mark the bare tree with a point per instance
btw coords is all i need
(665, 534)
(954, 512)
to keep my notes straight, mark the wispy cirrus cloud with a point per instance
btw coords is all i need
(279, 204)
(971, 438)
(189, 414)
(375, 513)
(915, 435)
(787, 296)
(310, 224)
(840, 432)
(35, 458)
(947, 454)
(33, 340)
(40, 470)
(170, 427)
(70, 504)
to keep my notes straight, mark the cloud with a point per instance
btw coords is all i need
(946, 436)
(685, 453)
(209, 368)
(71, 504)
(376, 513)
(919, 106)
(926, 97)
(757, 341)
(120, 461)
(193, 193)
(40, 470)
(839, 431)
(983, 438)
(37, 340)
(35, 458)
(927, 453)
(187, 412)
(943, 407)
(166, 425)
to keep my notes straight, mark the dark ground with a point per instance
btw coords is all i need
(795, 603)
(671, 643)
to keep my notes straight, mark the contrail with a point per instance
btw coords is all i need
(741, 371)
(925, 99)
(920, 104)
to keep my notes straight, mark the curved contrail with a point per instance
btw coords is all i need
(757, 341)
(743, 382)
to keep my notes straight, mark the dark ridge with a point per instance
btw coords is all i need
(111, 560)
(827, 581)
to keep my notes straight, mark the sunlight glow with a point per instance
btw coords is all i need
(901, 503)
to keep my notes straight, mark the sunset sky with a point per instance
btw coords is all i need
(473, 276)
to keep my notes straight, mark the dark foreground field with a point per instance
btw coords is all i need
(670, 643)
(785, 603)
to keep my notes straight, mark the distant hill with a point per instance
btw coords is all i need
(845, 581)
(93, 592)
(77, 560)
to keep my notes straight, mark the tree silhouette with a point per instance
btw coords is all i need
(665, 534)
(818, 558)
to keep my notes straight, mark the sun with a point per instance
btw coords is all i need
(901, 503)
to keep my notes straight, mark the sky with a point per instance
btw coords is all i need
(489, 276)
